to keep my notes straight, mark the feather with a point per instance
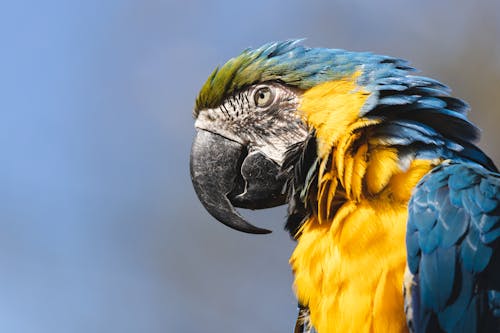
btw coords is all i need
(454, 221)
(450, 247)
(437, 272)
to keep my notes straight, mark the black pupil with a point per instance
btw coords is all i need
(263, 97)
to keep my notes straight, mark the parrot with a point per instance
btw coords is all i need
(394, 210)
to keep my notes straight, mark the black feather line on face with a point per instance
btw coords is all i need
(301, 157)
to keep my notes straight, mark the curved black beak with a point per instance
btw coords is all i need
(224, 174)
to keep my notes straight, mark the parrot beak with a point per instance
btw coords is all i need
(225, 176)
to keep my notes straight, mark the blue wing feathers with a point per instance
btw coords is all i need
(454, 224)
(429, 102)
(486, 222)
(437, 271)
(453, 239)
(464, 179)
(494, 302)
(427, 220)
(474, 256)
(413, 248)
(490, 236)
(449, 317)
(490, 189)
(467, 322)
(398, 100)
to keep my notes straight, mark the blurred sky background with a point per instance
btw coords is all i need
(100, 229)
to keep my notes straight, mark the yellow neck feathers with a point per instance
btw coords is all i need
(331, 107)
(350, 257)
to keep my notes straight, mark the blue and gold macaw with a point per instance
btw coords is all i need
(395, 211)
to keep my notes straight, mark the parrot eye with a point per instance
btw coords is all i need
(263, 97)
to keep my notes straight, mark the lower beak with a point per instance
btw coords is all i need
(224, 174)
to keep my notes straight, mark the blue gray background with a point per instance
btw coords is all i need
(100, 230)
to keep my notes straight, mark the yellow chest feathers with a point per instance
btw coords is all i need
(350, 272)
(349, 263)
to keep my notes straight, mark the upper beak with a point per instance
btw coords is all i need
(224, 175)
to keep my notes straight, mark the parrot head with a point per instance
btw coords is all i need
(239, 148)
(246, 120)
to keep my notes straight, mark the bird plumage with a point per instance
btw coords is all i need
(375, 131)
(453, 232)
